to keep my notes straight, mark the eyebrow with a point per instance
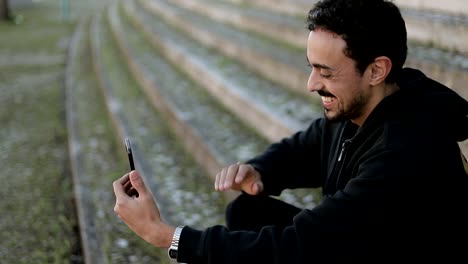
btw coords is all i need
(320, 66)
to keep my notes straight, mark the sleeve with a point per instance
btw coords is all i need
(344, 227)
(287, 164)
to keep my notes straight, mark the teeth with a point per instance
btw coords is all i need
(327, 99)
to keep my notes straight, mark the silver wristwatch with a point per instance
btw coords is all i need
(172, 251)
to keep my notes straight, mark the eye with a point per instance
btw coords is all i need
(325, 74)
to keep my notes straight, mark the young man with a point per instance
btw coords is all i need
(385, 155)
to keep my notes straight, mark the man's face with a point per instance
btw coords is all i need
(344, 91)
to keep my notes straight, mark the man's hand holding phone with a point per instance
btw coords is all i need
(136, 206)
(141, 213)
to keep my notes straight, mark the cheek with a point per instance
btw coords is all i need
(338, 90)
(345, 92)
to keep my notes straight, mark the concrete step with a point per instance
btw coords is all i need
(298, 7)
(279, 27)
(454, 7)
(271, 60)
(429, 22)
(448, 68)
(440, 30)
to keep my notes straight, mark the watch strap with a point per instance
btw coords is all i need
(173, 249)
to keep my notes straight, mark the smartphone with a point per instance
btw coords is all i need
(129, 189)
(128, 148)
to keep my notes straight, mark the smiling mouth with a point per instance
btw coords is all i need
(327, 98)
(327, 102)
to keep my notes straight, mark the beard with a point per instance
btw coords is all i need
(347, 112)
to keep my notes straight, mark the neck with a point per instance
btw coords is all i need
(381, 92)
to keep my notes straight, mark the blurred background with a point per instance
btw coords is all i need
(195, 85)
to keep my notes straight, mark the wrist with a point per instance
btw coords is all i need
(161, 236)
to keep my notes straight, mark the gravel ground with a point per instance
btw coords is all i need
(38, 223)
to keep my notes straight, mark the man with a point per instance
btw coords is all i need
(385, 155)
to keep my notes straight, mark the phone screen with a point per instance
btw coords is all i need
(128, 147)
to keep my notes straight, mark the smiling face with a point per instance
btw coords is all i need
(345, 93)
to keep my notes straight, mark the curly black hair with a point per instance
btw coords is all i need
(370, 28)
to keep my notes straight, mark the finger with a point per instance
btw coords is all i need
(125, 178)
(244, 171)
(222, 176)
(138, 183)
(216, 183)
(230, 175)
(119, 190)
(127, 185)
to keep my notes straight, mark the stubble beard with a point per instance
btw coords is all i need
(353, 111)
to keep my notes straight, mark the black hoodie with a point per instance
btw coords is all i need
(393, 190)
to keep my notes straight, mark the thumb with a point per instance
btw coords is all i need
(138, 183)
(255, 188)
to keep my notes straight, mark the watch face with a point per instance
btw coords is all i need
(172, 253)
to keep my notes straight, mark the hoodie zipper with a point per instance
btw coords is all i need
(341, 156)
(346, 137)
(344, 146)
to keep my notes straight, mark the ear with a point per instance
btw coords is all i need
(379, 70)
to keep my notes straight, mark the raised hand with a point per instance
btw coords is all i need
(140, 212)
(239, 177)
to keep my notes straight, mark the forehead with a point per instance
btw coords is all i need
(325, 47)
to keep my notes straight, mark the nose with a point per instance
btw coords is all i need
(313, 83)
